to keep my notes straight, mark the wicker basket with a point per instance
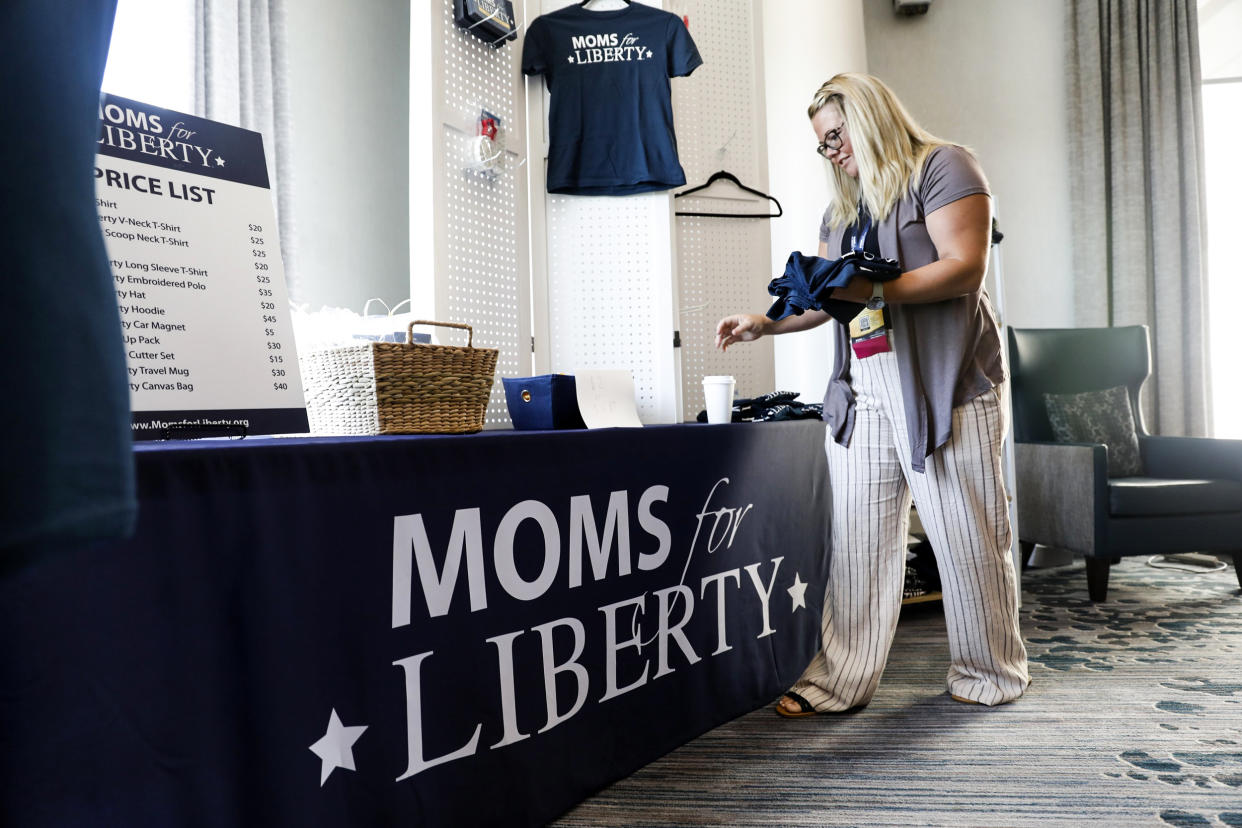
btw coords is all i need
(394, 388)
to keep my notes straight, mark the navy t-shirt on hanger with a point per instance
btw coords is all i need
(611, 119)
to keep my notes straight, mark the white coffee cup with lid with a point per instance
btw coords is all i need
(718, 395)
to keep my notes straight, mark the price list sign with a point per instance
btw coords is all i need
(186, 212)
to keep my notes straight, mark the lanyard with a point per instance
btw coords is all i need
(858, 239)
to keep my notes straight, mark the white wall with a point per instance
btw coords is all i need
(991, 75)
(796, 175)
(349, 85)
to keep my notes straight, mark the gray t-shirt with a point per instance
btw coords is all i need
(947, 352)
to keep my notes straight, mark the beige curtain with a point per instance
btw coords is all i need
(1136, 139)
(241, 78)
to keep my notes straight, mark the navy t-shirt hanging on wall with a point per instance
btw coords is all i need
(611, 120)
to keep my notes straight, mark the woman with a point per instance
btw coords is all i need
(913, 406)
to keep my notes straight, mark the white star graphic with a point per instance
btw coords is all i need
(649, 53)
(219, 161)
(797, 594)
(570, 58)
(336, 748)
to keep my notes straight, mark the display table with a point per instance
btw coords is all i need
(480, 629)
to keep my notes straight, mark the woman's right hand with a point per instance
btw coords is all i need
(741, 327)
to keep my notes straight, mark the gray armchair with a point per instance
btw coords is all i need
(1188, 499)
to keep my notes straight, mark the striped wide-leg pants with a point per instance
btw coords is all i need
(961, 503)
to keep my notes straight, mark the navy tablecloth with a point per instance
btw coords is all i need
(479, 629)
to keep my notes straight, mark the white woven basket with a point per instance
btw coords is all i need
(339, 384)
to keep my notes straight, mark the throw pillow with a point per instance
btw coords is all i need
(1098, 417)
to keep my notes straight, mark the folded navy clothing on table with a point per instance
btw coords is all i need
(808, 283)
(771, 407)
(793, 411)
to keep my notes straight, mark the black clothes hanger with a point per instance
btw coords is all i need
(584, 2)
(722, 175)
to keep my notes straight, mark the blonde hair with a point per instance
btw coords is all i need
(889, 146)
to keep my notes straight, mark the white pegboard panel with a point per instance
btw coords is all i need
(477, 75)
(480, 269)
(610, 294)
(722, 264)
(718, 110)
(484, 283)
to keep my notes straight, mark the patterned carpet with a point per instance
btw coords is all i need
(1134, 718)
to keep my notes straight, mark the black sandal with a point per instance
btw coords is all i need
(807, 709)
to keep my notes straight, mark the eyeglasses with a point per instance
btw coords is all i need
(832, 141)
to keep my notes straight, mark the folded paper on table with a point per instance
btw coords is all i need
(606, 399)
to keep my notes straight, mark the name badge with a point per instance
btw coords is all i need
(870, 345)
(867, 322)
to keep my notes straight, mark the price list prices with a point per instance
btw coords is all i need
(190, 231)
(267, 306)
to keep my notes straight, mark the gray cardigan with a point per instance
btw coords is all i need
(947, 352)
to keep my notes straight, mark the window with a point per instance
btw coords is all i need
(1220, 21)
(151, 57)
